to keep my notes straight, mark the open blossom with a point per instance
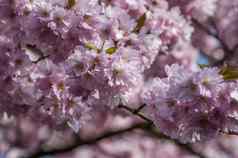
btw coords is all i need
(208, 82)
(187, 103)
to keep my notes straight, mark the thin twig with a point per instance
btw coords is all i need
(137, 113)
(140, 108)
(40, 59)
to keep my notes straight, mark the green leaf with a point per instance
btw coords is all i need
(140, 23)
(111, 50)
(71, 4)
(91, 46)
(202, 66)
(229, 73)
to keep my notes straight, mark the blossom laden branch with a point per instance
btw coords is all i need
(157, 134)
(187, 105)
(147, 126)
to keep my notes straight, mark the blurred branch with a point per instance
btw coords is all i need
(79, 142)
(147, 126)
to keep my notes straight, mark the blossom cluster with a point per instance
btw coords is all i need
(192, 105)
(62, 60)
(59, 58)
